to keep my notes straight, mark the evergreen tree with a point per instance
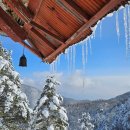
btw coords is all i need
(49, 115)
(14, 110)
(85, 122)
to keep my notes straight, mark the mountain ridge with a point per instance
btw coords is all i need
(104, 113)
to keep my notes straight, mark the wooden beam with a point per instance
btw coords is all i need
(38, 8)
(99, 15)
(18, 7)
(57, 38)
(105, 10)
(10, 27)
(76, 9)
(43, 39)
(30, 41)
(31, 49)
(73, 9)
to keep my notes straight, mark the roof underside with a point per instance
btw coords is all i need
(48, 27)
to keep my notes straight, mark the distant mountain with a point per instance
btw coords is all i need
(32, 93)
(106, 114)
(112, 114)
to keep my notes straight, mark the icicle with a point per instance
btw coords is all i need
(58, 60)
(52, 67)
(66, 51)
(71, 58)
(68, 59)
(74, 56)
(90, 46)
(86, 51)
(117, 27)
(126, 30)
(100, 27)
(129, 28)
(83, 57)
(56, 65)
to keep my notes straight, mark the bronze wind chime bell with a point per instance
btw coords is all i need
(23, 60)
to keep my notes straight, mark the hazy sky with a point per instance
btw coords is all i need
(107, 71)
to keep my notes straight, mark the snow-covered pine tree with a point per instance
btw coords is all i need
(85, 122)
(49, 114)
(14, 110)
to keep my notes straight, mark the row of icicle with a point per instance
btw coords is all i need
(70, 54)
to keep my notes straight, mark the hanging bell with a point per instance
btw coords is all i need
(23, 61)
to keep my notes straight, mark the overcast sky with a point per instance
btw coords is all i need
(107, 69)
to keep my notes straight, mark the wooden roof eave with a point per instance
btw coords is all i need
(13, 30)
(99, 15)
(46, 34)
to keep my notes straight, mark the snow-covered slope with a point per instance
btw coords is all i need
(103, 111)
(32, 93)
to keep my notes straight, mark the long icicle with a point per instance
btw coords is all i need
(126, 30)
(83, 57)
(68, 59)
(117, 27)
(90, 46)
(87, 51)
(74, 56)
(129, 29)
(100, 27)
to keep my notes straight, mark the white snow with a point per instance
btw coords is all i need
(51, 85)
(51, 127)
(63, 114)
(52, 106)
(121, 7)
(3, 62)
(23, 109)
(45, 113)
(9, 83)
(110, 14)
(15, 74)
(4, 78)
(14, 88)
(1, 124)
(8, 102)
(2, 88)
(42, 101)
(23, 96)
(56, 100)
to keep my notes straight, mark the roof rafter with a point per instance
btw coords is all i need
(94, 19)
(10, 27)
(31, 49)
(71, 7)
(23, 13)
(57, 38)
(107, 8)
(41, 37)
(18, 7)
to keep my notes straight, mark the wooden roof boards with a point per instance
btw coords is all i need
(51, 26)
